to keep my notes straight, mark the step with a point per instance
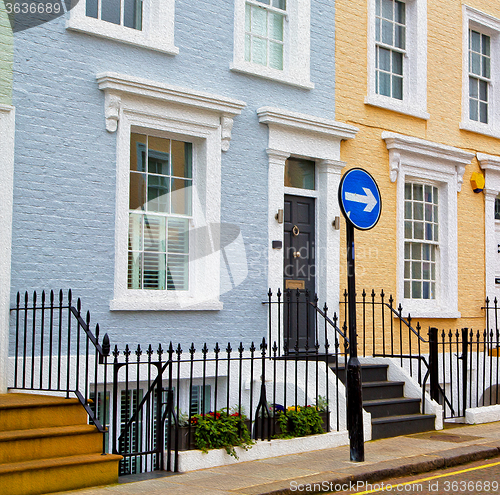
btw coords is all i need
(27, 411)
(383, 390)
(369, 372)
(42, 443)
(394, 426)
(391, 407)
(59, 474)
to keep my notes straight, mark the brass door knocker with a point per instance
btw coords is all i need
(295, 231)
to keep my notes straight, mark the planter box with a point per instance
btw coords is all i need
(269, 423)
(186, 443)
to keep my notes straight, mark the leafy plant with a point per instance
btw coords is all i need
(300, 421)
(322, 404)
(219, 429)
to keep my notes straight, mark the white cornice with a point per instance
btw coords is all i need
(419, 146)
(303, 122)
(489, 162)
(121, 91)
(110, 81)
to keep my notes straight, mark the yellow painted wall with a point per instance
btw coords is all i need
(376, 249)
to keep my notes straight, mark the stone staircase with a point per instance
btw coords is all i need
(393, 414)
(47, 446)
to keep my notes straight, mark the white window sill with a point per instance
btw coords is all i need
(108, 30)
(139, 303)
(267, 73)
(427, 310)
(396, 106)
(479, 128)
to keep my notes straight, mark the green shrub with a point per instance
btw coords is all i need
(300, 422)
(221, 430)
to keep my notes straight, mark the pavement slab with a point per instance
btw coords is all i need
(385, 458)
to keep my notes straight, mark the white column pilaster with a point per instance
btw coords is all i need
(7, 120)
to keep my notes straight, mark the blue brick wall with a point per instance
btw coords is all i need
(64, 197)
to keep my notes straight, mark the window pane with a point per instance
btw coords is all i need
(134, 279)
(248, 18)
(91, 8)
(435, 195)
(384, 59)
(154, 233)
(428, 232)
(483, 112)
(407, 210)
(276, 26)
(259, 51)
(181, 196)
(158, 155)
(473, 87)
(475, 41)
(418, 192)
(428, 213)
(385, 84)
(399, 37)
(416, 269)
(154, 271)
(416, 290)
(182, 159)
(132, 14)
(378, 8)
(377, 29)
(408, 231)
(407, 190)
(137, 191)
(299, 173)
(177, 277)
(259, 21)
(407, 250)
(158, 193)
(279, 4)
(426, 290)
(486, 67)
(474, 110)
(400, 12)
(275, 55)
(407, 269)
(407, 290)
(426, 271)
(110, 11)
(418, 211)
(387, 32)
(426, 252)
(483, 90)
(397, 87)
(485, 45)
(418, 230)
(416, 251)
(135, 232)
(387, 9)
(475, 63)
(178, 236)
(138, 152)
(397, 63)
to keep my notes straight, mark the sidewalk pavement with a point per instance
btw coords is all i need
(386, 458)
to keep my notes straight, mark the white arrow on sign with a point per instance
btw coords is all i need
(368, 199)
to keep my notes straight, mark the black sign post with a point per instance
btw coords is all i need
(361, 205)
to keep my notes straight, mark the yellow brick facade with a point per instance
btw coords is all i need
(376, 249)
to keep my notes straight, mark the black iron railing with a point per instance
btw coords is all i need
(55, 350)
(156, 396)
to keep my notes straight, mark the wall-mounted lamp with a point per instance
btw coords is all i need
(336, 223)
(279, 216)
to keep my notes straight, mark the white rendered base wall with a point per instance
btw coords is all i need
(191, 460)
(478, 415)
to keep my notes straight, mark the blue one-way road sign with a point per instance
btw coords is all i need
(359, 199)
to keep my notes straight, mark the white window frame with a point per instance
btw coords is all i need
(138, 105)
(414, 100)
(412, 159)
(489, 25)
(157, 26)
(296, 50)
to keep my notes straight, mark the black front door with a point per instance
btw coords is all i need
(299, 272)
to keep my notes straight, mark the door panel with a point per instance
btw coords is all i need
(299, 272)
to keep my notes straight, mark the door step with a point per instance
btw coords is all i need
(393, 414)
